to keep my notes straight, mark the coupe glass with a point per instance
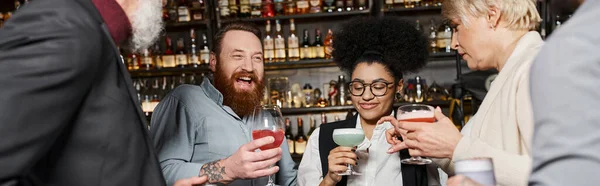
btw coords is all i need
(416, 113)
(348, 137)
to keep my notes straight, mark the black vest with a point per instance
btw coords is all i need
(412, 175)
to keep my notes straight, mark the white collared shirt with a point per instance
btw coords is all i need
(376, 165)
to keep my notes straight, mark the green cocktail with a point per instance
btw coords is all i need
(348, 137)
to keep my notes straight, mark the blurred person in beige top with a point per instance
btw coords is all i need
(488, 34)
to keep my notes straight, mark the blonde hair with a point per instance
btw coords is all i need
(519, 14)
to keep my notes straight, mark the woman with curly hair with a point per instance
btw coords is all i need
(376, 52)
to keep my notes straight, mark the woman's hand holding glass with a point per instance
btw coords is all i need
(436, 140)
(338, 159)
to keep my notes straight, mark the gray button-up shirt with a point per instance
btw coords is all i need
(191, 127)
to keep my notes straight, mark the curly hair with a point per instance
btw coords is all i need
(390, 41)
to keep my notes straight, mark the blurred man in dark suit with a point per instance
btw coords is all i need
(68, 110)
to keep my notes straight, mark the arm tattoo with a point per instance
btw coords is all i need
(214, 171)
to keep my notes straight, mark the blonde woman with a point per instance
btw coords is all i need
(498, 34)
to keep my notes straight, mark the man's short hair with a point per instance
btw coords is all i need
(236, 25)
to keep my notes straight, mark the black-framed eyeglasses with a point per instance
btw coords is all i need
(378, 88)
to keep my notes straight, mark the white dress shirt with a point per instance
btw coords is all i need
(376, 165)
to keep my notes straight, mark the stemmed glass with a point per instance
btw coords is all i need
(416, 113)
(267, 121)
(348, 137)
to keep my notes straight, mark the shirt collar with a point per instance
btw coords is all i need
(115, 19)
(212, 92)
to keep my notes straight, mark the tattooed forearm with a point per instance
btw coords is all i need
(215, 172)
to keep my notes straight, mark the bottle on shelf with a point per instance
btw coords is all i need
(224, 8)
(329, 6)
(165, 11)
(198, 10)
(169, 56)
(419, 90)
(180, 55)
(349, 5)
(289, 136)
(172, 9)
(293, 46)
(245, 9)
(279, 7)
(268, 9)
(409, 3)
(419, 27)
(362, 5)
(305, 52)
(280, 55)
(399, 3)
(328, 44)
(157, 56)
(133, 62)
(183, 12)
(194, 54)
(428, 3)
(312, 126)
(444, 38)
(437, 2)
(318, 49)
(388, 4)
(290, 7)
(320, 101)
(342, 91)
(301, 139)
(432, 36)
(269, 47)
(146, 95)
(256, 7)
(323, 119)
(315, 6)
(155, 99)
(339, 5)
(302, 6)
(234, 8)
(205, 52)
(308, 98)
(146, 59)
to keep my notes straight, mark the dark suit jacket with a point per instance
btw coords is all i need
(68, 114)
(412, 175)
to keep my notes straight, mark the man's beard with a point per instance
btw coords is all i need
(241, 102)
(146, 24)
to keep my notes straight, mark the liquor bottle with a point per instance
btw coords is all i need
(279, 43)
(302, 6)
(409, 3)
(169, 56)
(194, 54)
(157, 53)
(279, 7)
(290, 7)
(349, 5)
(305, 52)
(329, 6)
(339, 5)
(300, 141)
(234, 8)
(133, 62)
(268, 9)
(419, 90)
(165, 11)
(155, 99)
(312, 126)
(180, 55)
(318, 49)
(389, 4)
(328, 44)
(198, 4)
(444, 38)
(205, 53)
(172, 9)
(399, 3)
(342, 87)
(146, 95)
(289, 136)
(419, 27)
(417, 3)
(224, 8)
(183, 12)
(197, 10)
(146, 59)
(269, 45)
(362, 4)
(245, 9)
(323, 119)
(307, 93)
(256, 7)
(315, 6)
(428, 3)
(432, 36)
(293, 45)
